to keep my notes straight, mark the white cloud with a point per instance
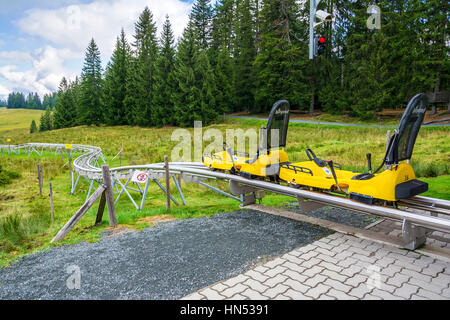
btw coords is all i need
(46, 73)
(73, 26)
(4, 92)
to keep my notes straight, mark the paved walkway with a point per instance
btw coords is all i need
(339, 267)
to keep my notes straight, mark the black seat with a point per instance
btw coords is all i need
(274, 134)
(402, 142)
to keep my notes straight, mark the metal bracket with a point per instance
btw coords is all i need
(308, 205)
(414, 236)
(248, 199)
(192, 179)
(238, 189)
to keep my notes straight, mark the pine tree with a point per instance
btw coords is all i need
(244, 56)
(201, 18)
(224, 81)
(91, 102)
(165, 83)
(278, 69)
(64, 115)
(186, 97)
(140, 83)
(223, 25)
(115, 83)
(194, 97)
(46, 121)
(33, 127)
(206, 84)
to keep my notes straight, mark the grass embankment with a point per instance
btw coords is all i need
(25, 223)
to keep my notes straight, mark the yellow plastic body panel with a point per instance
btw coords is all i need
(259, 167)
(223, 161)
(382, 186)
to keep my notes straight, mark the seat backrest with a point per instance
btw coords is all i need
(279, 121)
(401, 144)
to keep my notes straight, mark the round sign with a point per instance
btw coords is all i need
(142, 177)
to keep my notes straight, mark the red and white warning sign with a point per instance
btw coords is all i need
(139, 177)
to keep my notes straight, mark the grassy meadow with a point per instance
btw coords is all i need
(25, 222)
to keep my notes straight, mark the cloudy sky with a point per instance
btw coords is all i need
(43, 40)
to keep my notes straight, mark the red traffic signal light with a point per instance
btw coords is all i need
(320, 45)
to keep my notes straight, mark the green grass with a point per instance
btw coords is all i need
(25, 224)
(439, 187)
(14, 119)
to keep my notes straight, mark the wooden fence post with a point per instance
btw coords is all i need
(101, 209)
(40, 178)
(166, 167)
(78, 215)
(109, 196)
(51, 200)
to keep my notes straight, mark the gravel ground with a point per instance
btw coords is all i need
(168, 261)
(347, 217)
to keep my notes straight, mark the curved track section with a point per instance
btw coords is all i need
(422, 212)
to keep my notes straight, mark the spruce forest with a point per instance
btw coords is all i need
(243, 55)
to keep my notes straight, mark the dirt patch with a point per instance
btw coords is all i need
(156, 219)
(120, 230)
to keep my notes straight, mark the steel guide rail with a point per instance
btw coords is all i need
(86, 165)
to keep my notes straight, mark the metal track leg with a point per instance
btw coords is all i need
(75, 185)
(219, 191)
(128, 194)
(164, 189)
(124, 188)
(179, 190)
(144, 195)
(91, 185)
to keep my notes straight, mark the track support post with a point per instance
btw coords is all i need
(413, 236)
(109, 196)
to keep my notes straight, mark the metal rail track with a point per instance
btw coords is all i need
(427, 214)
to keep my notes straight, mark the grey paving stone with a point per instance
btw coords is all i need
(233, 281)
(406, 291)
(238, 288)
(360, 291)
(295, 295)
(334, 275)
(314, 281)
(337, 285)
(339, 295)
(429, 295)
(296, 285)
(275, 280)
(274, 263)
(254, 295)
(256, 275)
(255, 285)
(398, 280)
(317, 291)
(330, 266)
(276, 290)
(311, 272)
(356, 280)
(211, 294)
(295, 275)
(274, 271)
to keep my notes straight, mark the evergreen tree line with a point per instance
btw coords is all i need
(18, 100)
(243, 55)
